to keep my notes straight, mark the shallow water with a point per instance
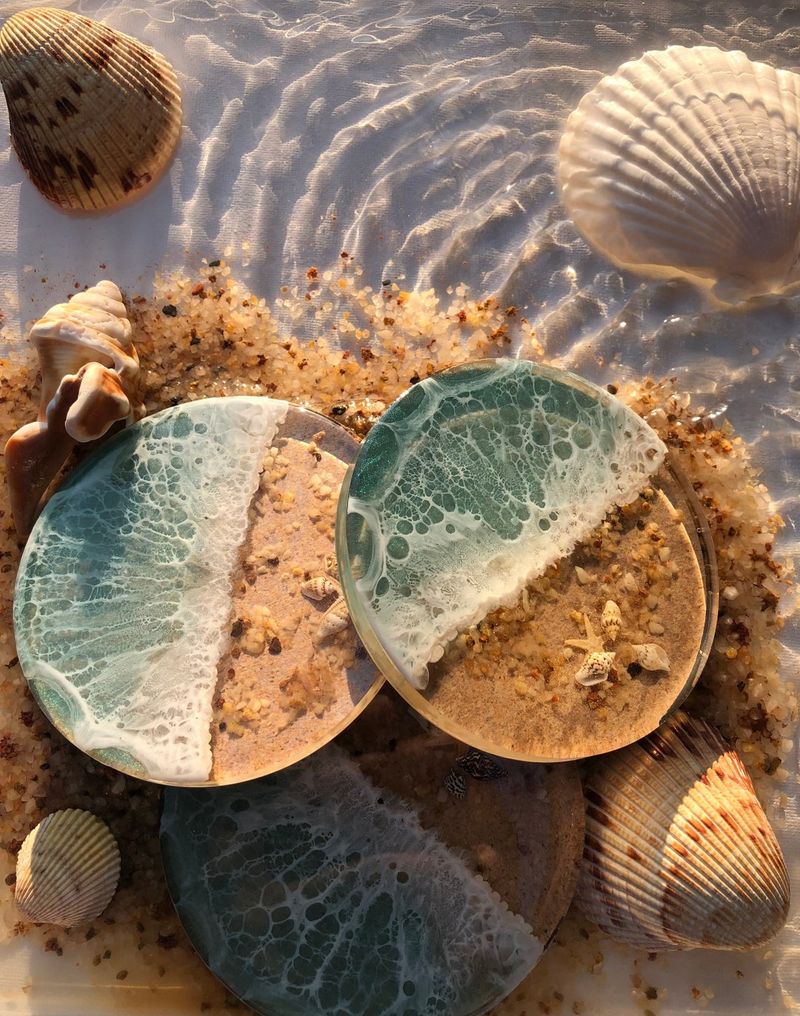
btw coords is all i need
(421, 138)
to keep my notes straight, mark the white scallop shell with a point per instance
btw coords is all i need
(95, 115)
(67, 869)
(679, 853)
(687, 162)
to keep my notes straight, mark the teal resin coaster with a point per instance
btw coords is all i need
(125, 593)
(349, 885)
(471, 484)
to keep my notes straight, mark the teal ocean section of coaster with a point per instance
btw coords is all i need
(313, 893)
(124, 590)
(471, 484)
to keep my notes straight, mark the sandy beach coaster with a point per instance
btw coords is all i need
(177, 611)
(393, 872)
(524, 564)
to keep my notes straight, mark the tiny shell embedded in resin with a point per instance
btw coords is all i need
(650, 656)
(320, 588)
(595, 669)
(95, 115)
(67, 869)
(611, 620)
(679, 853)
(685, 162)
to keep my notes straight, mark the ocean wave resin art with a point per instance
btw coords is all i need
(474, 482)
(124, 590)
(313, 892)
(687, 162)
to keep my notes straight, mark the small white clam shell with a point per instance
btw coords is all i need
(651, 657)
(320, 588)
(95, 115)
(687, 162)
(611, 620)
(679, 853)
(67, 869)
(595, 669)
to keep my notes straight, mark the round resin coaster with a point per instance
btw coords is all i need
(393, 872)
(177, 611)
(523, 563)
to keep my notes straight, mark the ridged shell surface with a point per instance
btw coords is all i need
(95, 115)
(67, 869)
(91, 327)
(687, 162)
(679, 853)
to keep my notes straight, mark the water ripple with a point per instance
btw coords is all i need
(421, 137)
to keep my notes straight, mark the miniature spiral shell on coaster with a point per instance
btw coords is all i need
(650, 656)
(335, 619)
(320, 588)
(678, 852)
(67, 869)
(611, 620)
(687, 162)
(90, 379)
(595, 669)
(95, 115)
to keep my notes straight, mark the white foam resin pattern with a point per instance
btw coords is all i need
(124, 592)
(475, 481)
(313, 893)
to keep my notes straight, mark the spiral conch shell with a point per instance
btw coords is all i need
(678, 852)
(335, 619)
(95, 115)
(91, 327)
(67, 869)
(687, 162)
(611, 620)
(90, 376)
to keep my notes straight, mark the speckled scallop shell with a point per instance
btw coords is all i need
(67, 869)
(687, 162)
(679, 853)
(95, 115)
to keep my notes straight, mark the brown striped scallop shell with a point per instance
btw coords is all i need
(679, 853)
(95, 115)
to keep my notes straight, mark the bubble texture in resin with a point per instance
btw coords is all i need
(474, 482)
(312, 893)
(124, 591)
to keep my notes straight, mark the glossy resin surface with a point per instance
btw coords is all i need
(475, 481)
(314, 893)
(124, 591)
